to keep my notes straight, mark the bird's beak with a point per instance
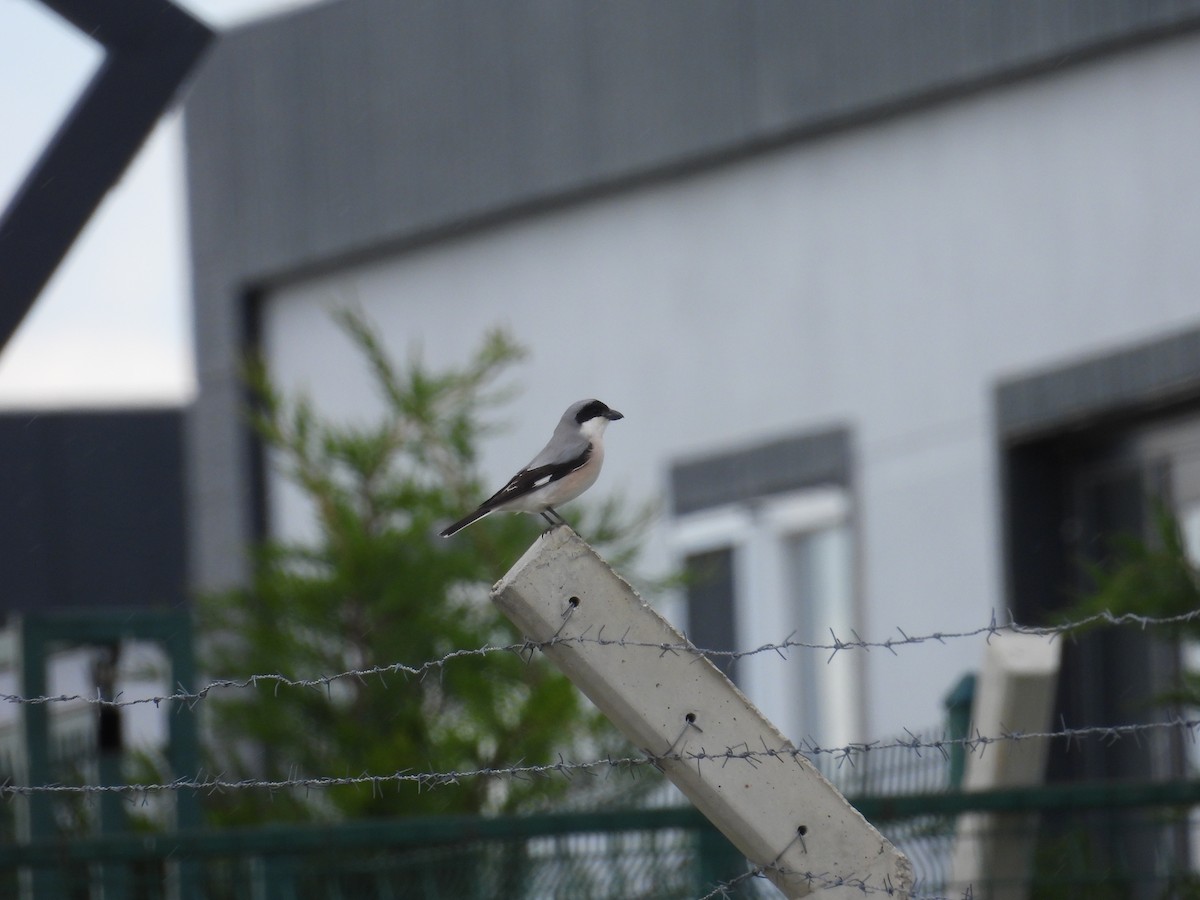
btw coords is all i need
(612, 415)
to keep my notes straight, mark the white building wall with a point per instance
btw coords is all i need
(884, 277)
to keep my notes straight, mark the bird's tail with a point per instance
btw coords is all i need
(465, 521)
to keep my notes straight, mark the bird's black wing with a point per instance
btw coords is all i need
(533, 478)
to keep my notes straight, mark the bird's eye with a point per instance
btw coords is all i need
(590, 410)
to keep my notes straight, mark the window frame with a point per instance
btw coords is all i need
(757, 533)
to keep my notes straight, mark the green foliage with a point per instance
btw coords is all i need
(1151, 577)
(378, 585)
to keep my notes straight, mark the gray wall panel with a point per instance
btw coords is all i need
(364, 122)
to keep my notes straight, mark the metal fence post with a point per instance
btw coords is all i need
(37, 823)
(184, 742)
(958, 721)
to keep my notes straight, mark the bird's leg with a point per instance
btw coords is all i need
(551, 515)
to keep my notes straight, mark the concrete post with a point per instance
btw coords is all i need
(675, 705)
(993, 852)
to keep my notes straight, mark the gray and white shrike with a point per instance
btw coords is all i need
(567, 466)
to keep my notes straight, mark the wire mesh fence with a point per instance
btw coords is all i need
(1122, 854)
(670, 853)
(1143, 845)
(921, 762)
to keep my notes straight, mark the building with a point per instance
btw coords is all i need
(899, 300)
(94, 604)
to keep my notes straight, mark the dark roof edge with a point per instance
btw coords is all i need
(871, 112)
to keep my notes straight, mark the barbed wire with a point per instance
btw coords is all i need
(824, 881)
(977, 743)
(835, 645)
(323, 682)
(850, 754)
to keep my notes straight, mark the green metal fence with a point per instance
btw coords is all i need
(1113, 841)
(1108, 840)
(668, 853)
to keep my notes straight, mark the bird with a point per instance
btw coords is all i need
(567, 466)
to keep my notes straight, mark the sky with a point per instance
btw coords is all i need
(113, 326)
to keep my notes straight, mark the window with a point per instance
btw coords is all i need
(819, 598)
(770, 566)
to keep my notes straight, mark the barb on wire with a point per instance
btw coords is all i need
(525, 648)
(725, 889)
(976, 743)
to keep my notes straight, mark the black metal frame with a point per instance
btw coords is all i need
(151, 46)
